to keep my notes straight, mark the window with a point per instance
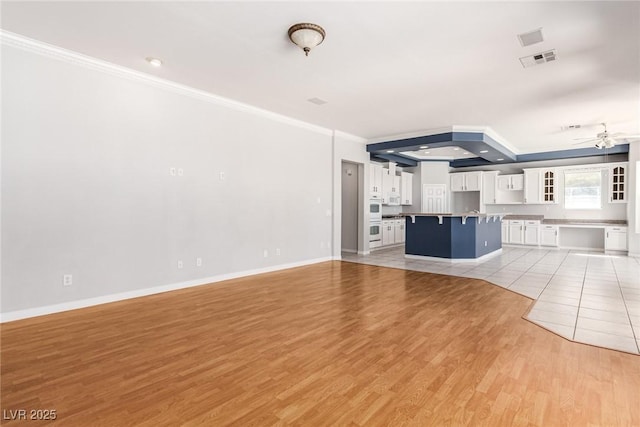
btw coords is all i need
(583, 189)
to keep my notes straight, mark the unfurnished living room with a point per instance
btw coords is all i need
(320, 213)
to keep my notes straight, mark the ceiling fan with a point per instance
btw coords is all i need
(605, 139)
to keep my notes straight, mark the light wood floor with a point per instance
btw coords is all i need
(330, 344)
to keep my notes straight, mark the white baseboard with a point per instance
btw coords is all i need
(88, 302)
(456, 260)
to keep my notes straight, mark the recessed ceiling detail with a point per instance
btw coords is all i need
(468, 148)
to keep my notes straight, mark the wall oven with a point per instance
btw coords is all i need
(375, 234)
(375, 210)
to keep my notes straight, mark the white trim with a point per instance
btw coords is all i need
(350, 137)
(456, 260)
(34, 46)
(74, 305)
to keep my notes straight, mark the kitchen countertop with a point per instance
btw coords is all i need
(525, 217)
(585, 221)
(467, 214)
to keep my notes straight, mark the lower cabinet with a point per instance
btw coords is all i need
(516, 232)
(505, 231)
(521, 232)
(399, 230)
(532, 233)
(615, 239)
(549, 235)
(393, 231)
(388, 232)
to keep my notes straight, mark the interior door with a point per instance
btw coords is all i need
(434, 197)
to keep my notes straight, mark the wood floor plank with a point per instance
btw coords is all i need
(334, 343)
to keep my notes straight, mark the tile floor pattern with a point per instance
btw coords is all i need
(586, 297)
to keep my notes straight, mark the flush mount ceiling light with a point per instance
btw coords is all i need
(306, 36)
(154, 61)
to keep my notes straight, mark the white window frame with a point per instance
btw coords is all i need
(601, 189)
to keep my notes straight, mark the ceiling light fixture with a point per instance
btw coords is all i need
(389, 151)
(154, 61)
(465, 152)
(306, 36)
(455, 149)
(426, 152)
(423, 147)
(499, 160)
(484, 151)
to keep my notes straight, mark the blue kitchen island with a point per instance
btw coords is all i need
(453, 237)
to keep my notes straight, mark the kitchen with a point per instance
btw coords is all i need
(539, 205)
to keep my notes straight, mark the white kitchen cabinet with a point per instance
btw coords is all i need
(540, 186)
(505, 231)
(375, 181)
(549, 235)
(406, 188)
(489, 183)
(532, 232)
(388, 232)
(516, 231)
(510, 182)
(399, 225)
(532, 190)
(549, 180)
(390, 188)
(466, 181)
(615, 239)
(617, 184)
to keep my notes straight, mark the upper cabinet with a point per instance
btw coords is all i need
(406, 188)
(375, 181)
(617, 184)
(549, 181)
(489, 184)
(540, 186)
(390, 187)
(466, 181)
(510, 182)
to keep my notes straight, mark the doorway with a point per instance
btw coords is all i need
(350, 223)
(434, 198)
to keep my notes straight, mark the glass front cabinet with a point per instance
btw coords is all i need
(617, 184)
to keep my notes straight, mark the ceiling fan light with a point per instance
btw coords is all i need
(306, 36)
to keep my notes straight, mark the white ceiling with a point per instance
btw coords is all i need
(385, 68)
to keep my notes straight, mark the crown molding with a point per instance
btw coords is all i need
(18, 41)
(350, 137)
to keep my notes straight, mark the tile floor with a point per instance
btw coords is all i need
(586, 297)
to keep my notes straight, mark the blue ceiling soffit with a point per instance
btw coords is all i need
(474, 142)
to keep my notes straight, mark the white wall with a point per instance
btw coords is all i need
(86, 188)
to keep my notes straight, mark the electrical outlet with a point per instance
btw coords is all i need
(198, 262)
(172, 171)
(321, 245)
(265, 253)
(180, 171)
(485, 243)
(222, 176)
(67, 280)
(180, 264)
(278, 251)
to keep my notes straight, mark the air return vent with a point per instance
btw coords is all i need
(538, 58)
(532, 37)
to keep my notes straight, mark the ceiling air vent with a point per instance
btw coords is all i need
(532, 37)
(538, 58)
